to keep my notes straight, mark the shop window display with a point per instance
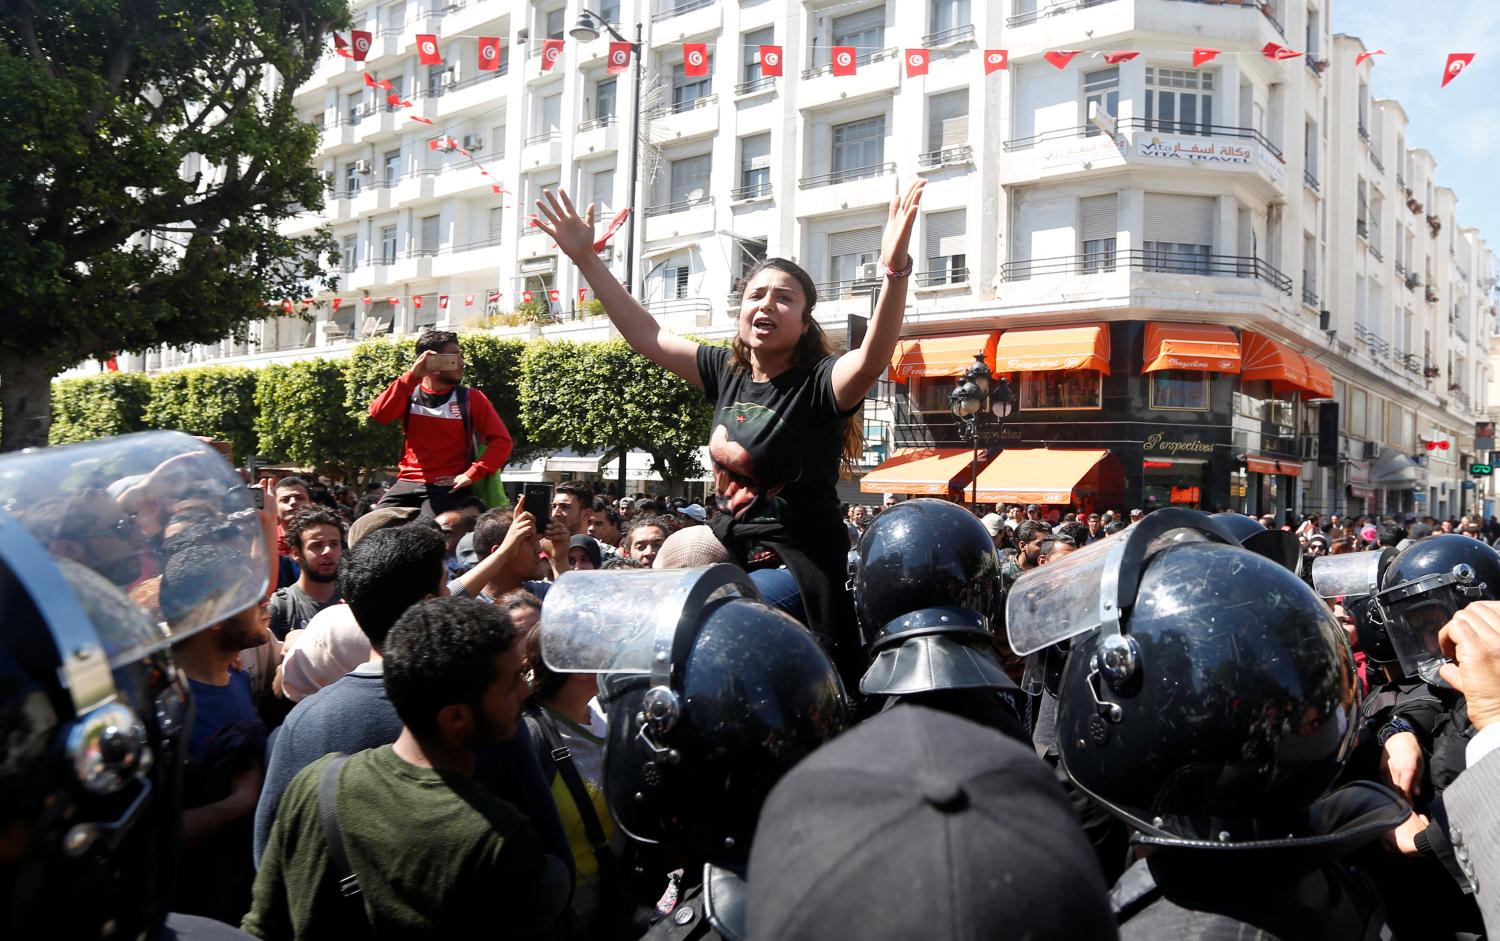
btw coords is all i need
(1060, 389)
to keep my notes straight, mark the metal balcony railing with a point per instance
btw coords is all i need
(543, 137)
(1376, 161)
(1310, 180)
(1180, 263)
(845, 175)
(669, 10)
(1045, 9)
(1375, 251)
(679, 305)
(1361, 228)
(948, 37)
(480, 78)
(1364, 133)
(687, 104)
(831, 290)
(681, 205)
(1265, 8)
(864, 58)
(760, 190)
(942, 278)
(755, 85)
(1309, 296)
(1155, 125)
(946, 157)
(596, 123)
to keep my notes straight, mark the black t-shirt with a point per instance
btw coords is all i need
(291, 609)
(775, 445)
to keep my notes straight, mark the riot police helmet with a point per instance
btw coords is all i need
(95, 714)
(711, 696)
(1354, 578)
(1423, 587)
(1278, 545)
(1208, 697)
(925, 592)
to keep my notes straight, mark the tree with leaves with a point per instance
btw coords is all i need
(605, 395)
(152, 148)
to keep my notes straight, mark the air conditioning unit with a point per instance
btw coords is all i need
(447, 78)
(362, 167)
(869, 271)
(1307, 447)
(1372, 451)
(473, 142)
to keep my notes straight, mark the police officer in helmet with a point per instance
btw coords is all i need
(1208, 701)
(94, 716)
(926, 588)
(711, 696)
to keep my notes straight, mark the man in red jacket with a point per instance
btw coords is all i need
(444, 422)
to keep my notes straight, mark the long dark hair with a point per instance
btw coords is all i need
(812, 346)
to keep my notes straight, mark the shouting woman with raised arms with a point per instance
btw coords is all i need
(782, 402)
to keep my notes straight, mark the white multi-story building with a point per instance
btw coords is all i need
(1185, 267)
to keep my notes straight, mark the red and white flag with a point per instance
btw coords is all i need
(609, 230)
(844, 60)
(526, 297)
(112, 364)
(396, 101)
(770, 60)
(367, 300)
(442, 302)
(1360, 59)
(416, 301)
(619, 58)
(496, 188)
(1060, 57)
(393, 301)
(493, 297)
(1457, 62)
(1115, 58)
(468, 300)
(337, 303)
(551, 52)
(583, 295)
(1278, 52)
(361, 41)
(286, 307)
(916, 62)
(554, 296)
(373, 82)
(995, 60)
(489, 53)
(340, 42)
(427, 49)
(417, 117)
(695, 59)
(1202, 54)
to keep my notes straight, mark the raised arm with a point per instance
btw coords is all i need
(856, 371)
(574, 234)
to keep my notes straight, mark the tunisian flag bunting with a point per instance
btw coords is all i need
(373, 82)
(361, 41)
(554, 296)
(995, 60)
(1061, 57)
(427, 49)
(1202, 54)
(393, 301)
(843, 60)
(112, 364)
(609, 230)
(443, 301)
(770, 60)
(489, 53)
(1278, 52)
(619, 58)
(367, 300)
(415, 117)
(526, 297)
(695, 59)
(1360, 59)
(1457, 62)
(337, 303)
(583, 295)
(416, 301)
(551, 51)
(468, 300)
(916, 62)
(1115, 58)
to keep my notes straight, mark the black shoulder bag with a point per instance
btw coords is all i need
(333, 835)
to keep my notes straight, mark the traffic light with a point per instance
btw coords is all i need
(1481, 470)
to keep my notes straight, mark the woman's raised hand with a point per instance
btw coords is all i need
(898, 227)
(574, 234)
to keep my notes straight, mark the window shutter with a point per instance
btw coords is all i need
(755, 152)
(1181, 220)
(1097, 217)
(945, 233)
(854, 242)
(948, 120)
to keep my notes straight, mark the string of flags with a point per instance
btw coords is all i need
(844, 60)
(419, 301)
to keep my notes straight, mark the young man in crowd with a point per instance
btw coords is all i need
(290, 495)
(441, 417)
(316, 537)
(645, 537)
(604, 525)
(571, 504)
(434, 854)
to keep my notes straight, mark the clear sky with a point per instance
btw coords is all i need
(1459, 125)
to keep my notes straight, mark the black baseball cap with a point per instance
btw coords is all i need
(922, 824)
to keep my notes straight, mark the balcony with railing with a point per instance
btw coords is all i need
(1361, 228)
(949, 37)
(681, 205)
(760, 189)
(1310, 181)
(1045, 10)
(1309, 294)
(1149, 262)
(1213, 148)
(872, 81)
(667, 11)
(943, 277)
(691, 117)
(847, 175)
(1374, 247)
(1375, 160)
(946, 157)
(764, 83)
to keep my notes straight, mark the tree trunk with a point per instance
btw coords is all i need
(25, 401)
(621, 480)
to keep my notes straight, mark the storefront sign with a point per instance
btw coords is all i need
(1359, 472)
(1071, 153)
(1156, 441)
(1194, 149)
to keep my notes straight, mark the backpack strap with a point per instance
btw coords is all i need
(333, 835)
(562, 759)
(462, 392)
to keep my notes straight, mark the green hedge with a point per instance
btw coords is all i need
(300, 416)
(215, 401)
(101, 406)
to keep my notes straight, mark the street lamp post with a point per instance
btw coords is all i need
(979, 393)
(586, 29)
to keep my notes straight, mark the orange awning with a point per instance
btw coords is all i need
(1319, 381)
(1198, 346)
(1282, 366)
(1036, 475)
(1290, 468)
(1041, 349)
(941, 356)
(1261, 465)
(926, 471)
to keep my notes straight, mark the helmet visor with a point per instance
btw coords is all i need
(116, 507)
(1413, 625)
(1350, 574)
(625, 621)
